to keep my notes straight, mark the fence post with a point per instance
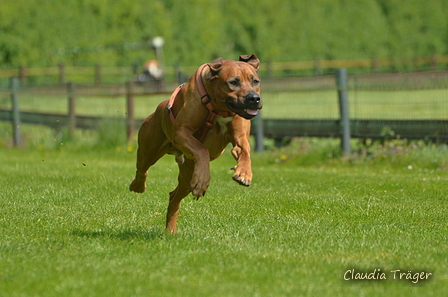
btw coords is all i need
(434, 62)
(317, 66)
(22, 74)
(130, 110)
(259, 134)
(344, 110)
(71, 108)
(269, 69)
(375, 64)
(179, 74)
(15, 111)
(98, 74)
(61, 73)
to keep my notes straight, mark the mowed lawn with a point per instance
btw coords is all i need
(70, 227)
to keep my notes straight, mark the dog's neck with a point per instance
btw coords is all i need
(205, 98)
(223, 116)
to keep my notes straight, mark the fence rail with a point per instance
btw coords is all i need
(278, 129)
(434, 130)
(318, 65)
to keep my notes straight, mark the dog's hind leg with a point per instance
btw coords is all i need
(152, 145)
(182, 190)
(143, 163)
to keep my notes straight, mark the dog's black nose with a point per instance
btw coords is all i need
(253, 98)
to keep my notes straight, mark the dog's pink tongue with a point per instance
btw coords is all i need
(252, 111)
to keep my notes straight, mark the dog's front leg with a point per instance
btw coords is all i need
(193, 149)
(241, 150)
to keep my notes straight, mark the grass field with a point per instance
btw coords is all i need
(70, 227)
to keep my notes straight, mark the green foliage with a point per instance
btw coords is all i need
(32, 32)
(417, 27)
(111, 133)
(384, 153)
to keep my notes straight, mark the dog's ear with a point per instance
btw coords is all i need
(252, 60)
(215, 66)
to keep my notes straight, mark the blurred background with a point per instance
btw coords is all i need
(120, 32)
(395, 52)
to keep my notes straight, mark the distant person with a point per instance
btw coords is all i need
(153, 74)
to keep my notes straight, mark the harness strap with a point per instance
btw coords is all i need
(208, 125)
(205, 99)
(171, 101)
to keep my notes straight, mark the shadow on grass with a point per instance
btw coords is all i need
(127, 234)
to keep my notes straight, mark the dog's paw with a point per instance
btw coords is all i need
(199, 184)
(242, 177)
(198, 190)
(137, 186)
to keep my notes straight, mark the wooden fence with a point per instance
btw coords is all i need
(276, 128)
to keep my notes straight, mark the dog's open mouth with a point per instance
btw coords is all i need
(243, 110)
(252, 112)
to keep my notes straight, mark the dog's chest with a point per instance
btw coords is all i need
(222, 123)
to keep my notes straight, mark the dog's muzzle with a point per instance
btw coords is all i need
(248, 107)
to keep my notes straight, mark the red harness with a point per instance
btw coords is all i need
(205, 99)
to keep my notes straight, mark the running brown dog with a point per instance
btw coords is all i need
(202, 117)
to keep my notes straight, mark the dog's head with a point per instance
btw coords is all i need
(236, 85)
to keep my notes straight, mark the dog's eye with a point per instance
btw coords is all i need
(234, 83)
(256, 81)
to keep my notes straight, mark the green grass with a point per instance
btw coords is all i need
(409, 104)
(70, 227)
(404, 104)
